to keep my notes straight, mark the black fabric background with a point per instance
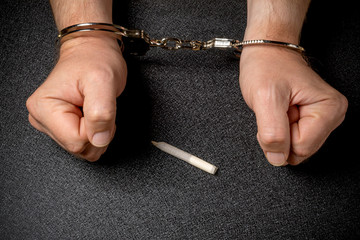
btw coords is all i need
(191, 100)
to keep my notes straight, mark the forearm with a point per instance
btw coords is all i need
(68, 12)
(279, 20)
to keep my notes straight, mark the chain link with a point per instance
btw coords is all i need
(176, 43)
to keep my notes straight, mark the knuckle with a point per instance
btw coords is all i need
(272, 138)
(342, 104)
(33, 123)
(269, 93)
(101, 74)
(296, 161)
(101, 115)
(36, 103)
(75, 148)
(262, 95)
(338, 105)
(92, 155)
(339, 102)
(30, 103)
(92, 158)
(303, 152)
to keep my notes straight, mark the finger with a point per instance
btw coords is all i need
(58, 119)
(311, 131)
(273, 126)
(99, 110)
(307, 136)
(78, 145)
(293, 114)
(64, 123)
(42, 128)
(92, 153)
(36, 124)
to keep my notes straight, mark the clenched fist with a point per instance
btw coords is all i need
(76, 105)
(295, 109)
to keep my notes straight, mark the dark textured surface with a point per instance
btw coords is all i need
(191, 100)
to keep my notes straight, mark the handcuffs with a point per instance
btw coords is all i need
(138, 43)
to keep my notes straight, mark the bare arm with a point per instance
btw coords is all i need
(280, 20)
(67, 12)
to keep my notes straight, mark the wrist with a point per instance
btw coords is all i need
(110, 33)
(261, 31)
(91, 38)
(263, 53)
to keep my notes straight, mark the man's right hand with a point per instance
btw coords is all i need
(90, 75)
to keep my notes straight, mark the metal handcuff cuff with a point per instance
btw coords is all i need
(137, 42)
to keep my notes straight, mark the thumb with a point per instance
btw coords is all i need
(99, 112)
(273, 127)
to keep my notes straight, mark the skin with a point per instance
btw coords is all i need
(295, 109)
(91, 73)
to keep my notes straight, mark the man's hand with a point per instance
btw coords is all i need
(76, 105)
(295, 109)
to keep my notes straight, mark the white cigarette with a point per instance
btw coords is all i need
(187, 157)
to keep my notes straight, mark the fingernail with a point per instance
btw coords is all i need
(276, 159)
(101, 139)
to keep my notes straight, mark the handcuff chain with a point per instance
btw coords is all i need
(176, 43)
(169, 43)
